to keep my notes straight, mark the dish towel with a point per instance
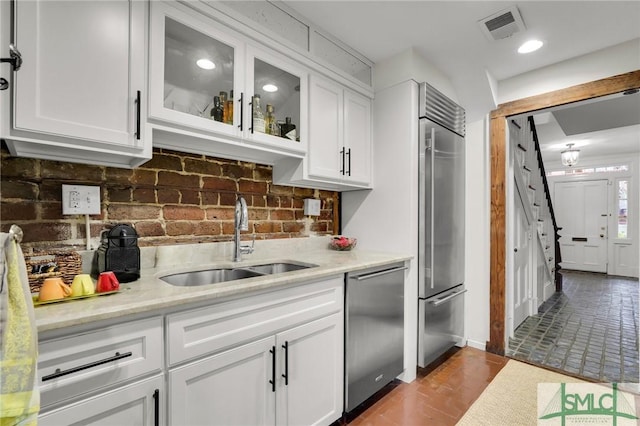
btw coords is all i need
(19, 394)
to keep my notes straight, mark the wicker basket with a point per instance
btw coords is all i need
(65, 264)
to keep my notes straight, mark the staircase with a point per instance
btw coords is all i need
(530, 179)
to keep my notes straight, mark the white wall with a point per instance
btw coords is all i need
(619, 59)
(477, 226)
(409, 65)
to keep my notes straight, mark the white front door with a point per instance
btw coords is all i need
(522, 290)
(581, 212)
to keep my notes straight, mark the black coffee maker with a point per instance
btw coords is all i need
(119, 252)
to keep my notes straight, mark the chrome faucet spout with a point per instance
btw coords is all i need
(241, 223)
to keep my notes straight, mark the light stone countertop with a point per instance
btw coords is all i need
(150, 295)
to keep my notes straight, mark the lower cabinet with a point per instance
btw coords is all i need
(291, 378)
(273, 358)
(310, 373)
(136, 404)
(231, 388)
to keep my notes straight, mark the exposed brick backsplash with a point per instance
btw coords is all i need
(173, 198)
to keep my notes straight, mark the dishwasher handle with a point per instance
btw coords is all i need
(449, 297)
(377, 274)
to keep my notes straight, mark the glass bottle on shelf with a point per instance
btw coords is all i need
(228, 109)
(216, 111)
(288, 130)
(258, 116)
(223, 103)
(270, 125)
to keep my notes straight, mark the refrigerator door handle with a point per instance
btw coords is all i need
(377, 274)
(446, 299)
(432, 224)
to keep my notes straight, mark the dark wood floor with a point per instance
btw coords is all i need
(439, 396)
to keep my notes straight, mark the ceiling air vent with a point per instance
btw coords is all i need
(502, 24)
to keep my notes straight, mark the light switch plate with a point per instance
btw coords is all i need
(311, 207)
(80, 199)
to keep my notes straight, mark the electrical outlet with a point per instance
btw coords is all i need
(311, 207)
(80, 199)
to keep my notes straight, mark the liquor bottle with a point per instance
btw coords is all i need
(288, 130)
(223, 103)
(216, 111)
(270, 125)
(258, 116)
(228, 109)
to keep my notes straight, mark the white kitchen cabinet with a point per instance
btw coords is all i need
(357, 138)
(80, 93)
(231, 388)
(340, 126)
(327, 155)
(101, 362)
(181, 93)
(136, 404)
(292, 378)
(313, 365)
(273, 358)
(339, 153)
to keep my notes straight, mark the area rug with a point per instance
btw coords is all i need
(511, 397)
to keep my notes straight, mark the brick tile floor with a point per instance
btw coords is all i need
(589, 329)
(439, 396)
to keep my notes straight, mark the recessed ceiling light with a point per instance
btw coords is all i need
(205, 64)
(270, 88)
(530, 46)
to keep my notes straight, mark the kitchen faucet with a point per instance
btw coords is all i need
(241, 224)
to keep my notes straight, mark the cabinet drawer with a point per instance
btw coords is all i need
(207, 330)
(81, 363)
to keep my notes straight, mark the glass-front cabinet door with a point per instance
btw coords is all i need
(195, 71)
(277, 108)
(203, 76)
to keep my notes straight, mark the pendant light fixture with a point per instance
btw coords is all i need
(570, 156)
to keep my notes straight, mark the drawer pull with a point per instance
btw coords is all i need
(60, 373)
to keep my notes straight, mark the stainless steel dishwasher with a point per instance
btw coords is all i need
(374, 331)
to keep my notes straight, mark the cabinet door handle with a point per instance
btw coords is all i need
(273, 368)
(60, 373)
(241, 110)
(342, 164)
(138, 115)
(251, 103)
(156, 407)
(286, 363)
(349, 162)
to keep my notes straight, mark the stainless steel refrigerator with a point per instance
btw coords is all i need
(441, 225)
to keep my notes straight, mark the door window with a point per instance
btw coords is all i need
(622, 208)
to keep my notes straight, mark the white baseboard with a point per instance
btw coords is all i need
(478, 345)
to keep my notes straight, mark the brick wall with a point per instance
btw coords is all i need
(173, 198)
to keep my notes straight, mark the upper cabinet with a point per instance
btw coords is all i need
(79, 94)
(241, 99)
(339, 156)
(102, 81)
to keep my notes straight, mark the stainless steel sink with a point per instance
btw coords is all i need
(218, 275)
(279, 267)
(208, 276)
